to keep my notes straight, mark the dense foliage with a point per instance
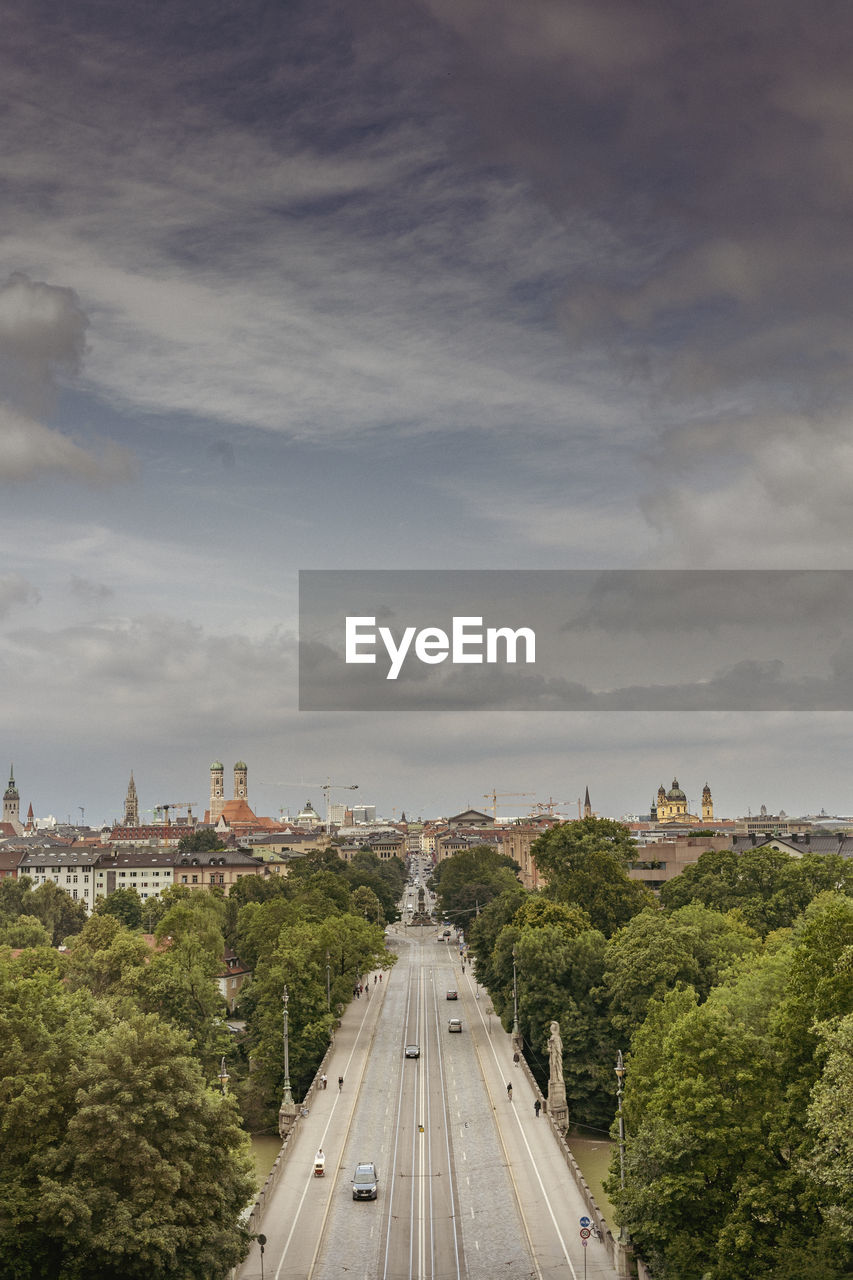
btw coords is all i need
(732, 1001)
(465, 884)
(117, 1158)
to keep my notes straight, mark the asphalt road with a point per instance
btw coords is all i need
(471, 1186)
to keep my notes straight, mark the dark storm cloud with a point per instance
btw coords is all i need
(714, 139)
(42, 338)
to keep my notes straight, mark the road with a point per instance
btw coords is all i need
(471, 1186)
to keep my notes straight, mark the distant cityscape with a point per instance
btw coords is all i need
(146, 849)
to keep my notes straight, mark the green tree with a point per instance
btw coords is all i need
(26, 931)
(203, 841)
(106, 958)
(58, 912)
(654, 952)
(829, 1164)
(586, 862)
(466, 883)
(179, 984)
(152, 1171)
(125, 904)
(769, 887)
(722, 1179)
(365, 903)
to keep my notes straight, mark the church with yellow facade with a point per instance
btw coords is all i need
(671, 807)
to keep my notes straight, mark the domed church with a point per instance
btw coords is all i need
(671, 807)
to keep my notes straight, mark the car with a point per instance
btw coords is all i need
(446, 933)
(455, 1024)
(412, 1051)
(365, 1181)
(451, 995)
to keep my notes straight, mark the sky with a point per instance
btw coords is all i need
(449, 284)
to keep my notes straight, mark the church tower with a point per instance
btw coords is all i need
(12, 803)
(707, 804)
(241, 780)
(217, 790)
(131, 805)
(587, 805)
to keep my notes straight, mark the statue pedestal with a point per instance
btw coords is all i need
(286, 1119)
(558, 1107)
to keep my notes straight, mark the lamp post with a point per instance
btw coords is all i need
(223, 1076)
(328, 983)
(620, 1072)
(516, 1033)
(623, 1250)
(287, 1111)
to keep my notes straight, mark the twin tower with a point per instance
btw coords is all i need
(217, 786)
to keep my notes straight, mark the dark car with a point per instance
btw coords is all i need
(451, 995)
(365, 1181)
(412, 1051)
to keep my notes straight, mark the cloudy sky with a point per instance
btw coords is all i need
(443, 284)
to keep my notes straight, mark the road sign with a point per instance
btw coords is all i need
(584, 1243)
(585, 1234)
(585, 1221)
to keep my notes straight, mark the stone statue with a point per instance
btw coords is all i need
(555, 1052)
(557, 1104)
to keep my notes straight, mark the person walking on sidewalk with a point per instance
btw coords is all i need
(516, 1058)
(509, 1089)
(537, 1107)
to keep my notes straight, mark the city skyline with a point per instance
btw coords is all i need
(508, 808)
(409, 288)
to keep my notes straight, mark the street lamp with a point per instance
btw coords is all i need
(620, 1072)
(287, 1100)
(516, 1033)
(328, 984)
(223, 1076)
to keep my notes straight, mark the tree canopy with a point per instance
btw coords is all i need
(586, 862)
(118, 1159)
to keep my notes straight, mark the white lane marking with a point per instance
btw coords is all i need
(311, 1177)
(533, 1163)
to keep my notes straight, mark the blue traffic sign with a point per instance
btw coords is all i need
(586, 1222)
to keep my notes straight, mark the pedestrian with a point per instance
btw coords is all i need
(340, 1083)
(374, 979)
(537, 1107)
(357, 992)
(380, 977)
(516, 1058)
(509, 1089)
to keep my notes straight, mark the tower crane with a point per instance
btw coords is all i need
(325, 787)
(493, 796)
(548, 806)
(175, 804)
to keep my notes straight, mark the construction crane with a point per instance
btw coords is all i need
(493, 796)
(547, 806)
(175, 804)
(325, 787)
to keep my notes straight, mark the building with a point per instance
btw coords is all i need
(670, 807)
(663, 860)
(72, 869)
(231, 977)
(131, 805)
(147, 870)
(12, 805)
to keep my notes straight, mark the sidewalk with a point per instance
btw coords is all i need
(551, 1201)
(325, 1125)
